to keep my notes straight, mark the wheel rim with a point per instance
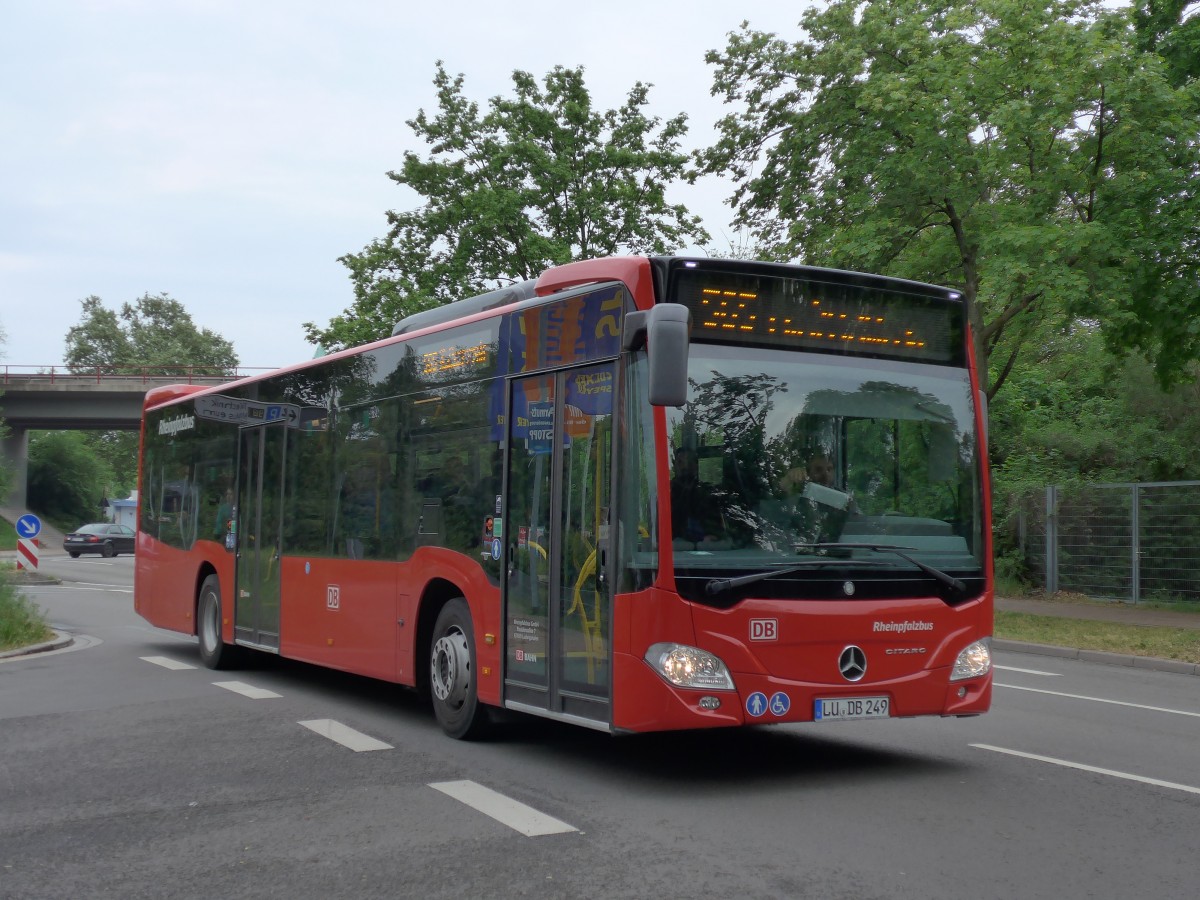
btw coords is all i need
(208, 625)
(451, 668)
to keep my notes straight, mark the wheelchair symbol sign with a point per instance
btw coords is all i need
(780, 703)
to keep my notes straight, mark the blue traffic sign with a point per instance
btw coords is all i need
(29, 526)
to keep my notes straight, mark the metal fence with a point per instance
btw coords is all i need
(1130, 542)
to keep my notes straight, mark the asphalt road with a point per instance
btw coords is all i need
(128, 770)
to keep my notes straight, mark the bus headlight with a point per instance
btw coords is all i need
(973, 661)
(689, 667)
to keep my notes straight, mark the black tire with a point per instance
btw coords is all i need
(452, 678)
(214, 652)
(74, 554)
(108, 550)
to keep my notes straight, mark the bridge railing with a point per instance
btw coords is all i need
(15, 374)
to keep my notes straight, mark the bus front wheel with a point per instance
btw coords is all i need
(452, 666)
(214, 652)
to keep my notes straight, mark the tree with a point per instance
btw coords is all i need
(1074, 412)
(66, 478)
(539, 179)
(119, 450)
(154, 332)
(1171, 28)
(1028, 153)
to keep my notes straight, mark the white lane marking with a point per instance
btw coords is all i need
(505, 810)
(247, 690)
(1096, 769)
(345, 735)
(166, 662)
(1174, 712)
(1028, 671)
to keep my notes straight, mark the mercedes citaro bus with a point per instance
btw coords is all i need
(634, 494)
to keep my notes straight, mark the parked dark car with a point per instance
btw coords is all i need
(104, 538)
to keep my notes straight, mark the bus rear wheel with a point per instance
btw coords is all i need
(214, 652)
(452, 666)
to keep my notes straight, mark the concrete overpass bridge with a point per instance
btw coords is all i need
(66, 398)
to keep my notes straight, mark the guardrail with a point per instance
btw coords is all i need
(15, 374)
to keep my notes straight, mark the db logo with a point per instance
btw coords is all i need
(764, 629)
(333, 597)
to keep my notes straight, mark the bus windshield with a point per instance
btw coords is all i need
(780, 456)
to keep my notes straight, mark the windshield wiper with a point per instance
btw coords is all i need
(944, 578)
(719, 585)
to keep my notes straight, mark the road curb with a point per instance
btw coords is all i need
(30, 579)
(1172, 666)
(61, 639)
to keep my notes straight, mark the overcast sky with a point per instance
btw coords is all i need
(227, 152)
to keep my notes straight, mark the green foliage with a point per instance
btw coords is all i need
(1030, 154)
(8, 535)
(1078, 414)
(1160, 30)
(1084, 415)
(66, 478)
(1013, 578)
(155, 331)
(21, 621)
(539, 179)
(118, 450)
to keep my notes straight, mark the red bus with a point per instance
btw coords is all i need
(635, 494)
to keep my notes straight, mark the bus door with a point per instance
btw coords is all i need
(259, 535)
(557, 601)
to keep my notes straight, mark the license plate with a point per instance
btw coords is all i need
(851, 708)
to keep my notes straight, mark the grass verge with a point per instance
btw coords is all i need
(1111, 637)
(8, 535)
(21, 620)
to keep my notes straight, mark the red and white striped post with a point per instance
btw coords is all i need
(27, 554)
(28, 528)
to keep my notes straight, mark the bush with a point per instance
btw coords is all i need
(1013, 578)
(21, 621)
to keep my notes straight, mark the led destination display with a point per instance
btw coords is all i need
(832, 317)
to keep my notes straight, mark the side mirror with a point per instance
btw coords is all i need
(664, 327)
